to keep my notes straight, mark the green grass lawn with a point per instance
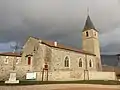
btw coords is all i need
(33, 82)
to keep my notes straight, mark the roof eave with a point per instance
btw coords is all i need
(89, 29)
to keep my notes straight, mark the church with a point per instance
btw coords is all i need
(52, 61)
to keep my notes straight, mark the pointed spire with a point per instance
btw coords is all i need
(88, 24)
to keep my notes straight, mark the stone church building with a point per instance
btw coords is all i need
(50, 60)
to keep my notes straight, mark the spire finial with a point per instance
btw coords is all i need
(87, 10)
(88, 24)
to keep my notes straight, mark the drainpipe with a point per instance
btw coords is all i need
(85, 62)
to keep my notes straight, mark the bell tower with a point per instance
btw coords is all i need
(90, 41)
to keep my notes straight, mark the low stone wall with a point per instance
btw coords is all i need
(61, 76)
(94, 75)
(66, 75)
(76, 75)
(20, 72)
(80, 75)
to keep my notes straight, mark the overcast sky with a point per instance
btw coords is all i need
(60, 20)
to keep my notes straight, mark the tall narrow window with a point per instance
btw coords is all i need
(90, 63)
(95, 33)
(87, 34)
(66, 62)
(29, 60)
(17, 60)
(80, 62)
(6, 60)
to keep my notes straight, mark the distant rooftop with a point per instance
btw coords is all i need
(17, 54)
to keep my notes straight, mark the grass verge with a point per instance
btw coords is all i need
(33, 82)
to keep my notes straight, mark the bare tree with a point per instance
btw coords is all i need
(15, 46)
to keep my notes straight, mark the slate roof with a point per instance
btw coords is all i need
(88, 24)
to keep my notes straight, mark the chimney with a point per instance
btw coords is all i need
(40, 41)
(55, 43)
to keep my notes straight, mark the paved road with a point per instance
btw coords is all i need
(62, 87)
(86, 88)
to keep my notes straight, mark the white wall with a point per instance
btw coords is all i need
(77, 75)
(93, 75)
(59, 76)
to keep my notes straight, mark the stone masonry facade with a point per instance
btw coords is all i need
(41, 54)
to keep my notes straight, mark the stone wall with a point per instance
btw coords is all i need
(61, 76)
(38, 51)
(22, 67)
(7, 67)
(28, 49)
(77, 75)
(90, 43)
(80, 75)
(39, 58)
(55, 58)
(58, 60)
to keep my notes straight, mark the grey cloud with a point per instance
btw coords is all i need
(114, 48)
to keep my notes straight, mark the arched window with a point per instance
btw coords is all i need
(66, 61)
(87, 34)
(80, 62)
(90, 63)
